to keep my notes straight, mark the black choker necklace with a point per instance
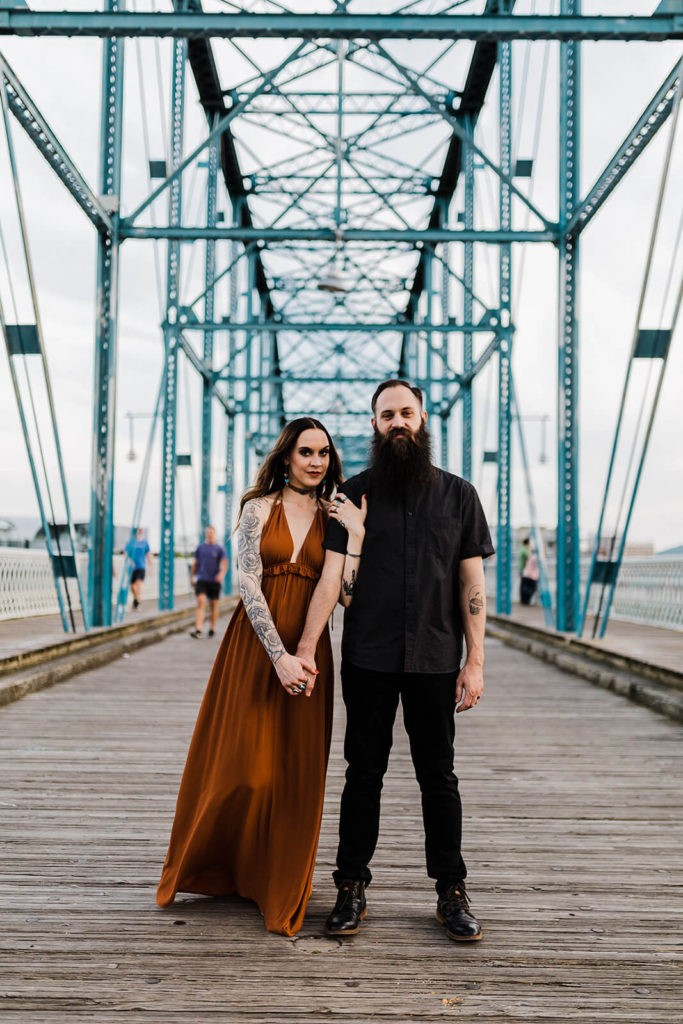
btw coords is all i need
(301, 490)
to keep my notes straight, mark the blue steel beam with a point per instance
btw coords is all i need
(209, 304)
(635, 143)
(223, 25)
(171, 340)
(230, 576)
(468, 310)
(100, 567)
(568, 362)
(284, 378)
(406, 235)
(504, 545)
(310, 327)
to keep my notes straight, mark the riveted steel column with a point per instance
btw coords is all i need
(167, 546)
(229, 580)
(568, 371)
(249, 428)
(467, 309)
(100, 563)
(446, 342)
(209, 303)
(428, 361)
(504, 545)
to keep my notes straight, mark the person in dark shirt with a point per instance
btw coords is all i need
(405, 544)
(206, 574)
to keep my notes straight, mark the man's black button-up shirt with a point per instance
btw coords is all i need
(405, 613)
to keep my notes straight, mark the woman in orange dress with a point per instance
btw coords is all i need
(250, 802)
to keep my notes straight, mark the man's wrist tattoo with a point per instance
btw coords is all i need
(348, 586)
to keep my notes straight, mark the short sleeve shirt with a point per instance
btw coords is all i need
(137, 551)
(208, 558)
(405, 615)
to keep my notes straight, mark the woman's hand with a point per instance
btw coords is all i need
(350, 516)
(292, 674)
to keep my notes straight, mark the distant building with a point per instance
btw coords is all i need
(27, 532)
(633, 548)
(10, 535)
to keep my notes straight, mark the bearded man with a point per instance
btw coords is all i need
(404, 544)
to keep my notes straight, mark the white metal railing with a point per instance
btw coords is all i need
(649, 590)
(27, 585)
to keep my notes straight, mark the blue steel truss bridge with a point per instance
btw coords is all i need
(339, 218)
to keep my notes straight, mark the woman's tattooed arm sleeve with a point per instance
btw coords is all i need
(251, 573)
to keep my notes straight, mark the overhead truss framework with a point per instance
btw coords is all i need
(334, 256)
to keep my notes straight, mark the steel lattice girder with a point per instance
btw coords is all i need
(382, 193)
(432, 236)
(194, 25)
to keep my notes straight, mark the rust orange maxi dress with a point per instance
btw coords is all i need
(250, 802)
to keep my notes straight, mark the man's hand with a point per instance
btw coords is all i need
(470, 686)
(307, 659)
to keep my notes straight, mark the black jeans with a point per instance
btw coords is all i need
(371, 700)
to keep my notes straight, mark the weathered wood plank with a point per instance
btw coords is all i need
(572, 834)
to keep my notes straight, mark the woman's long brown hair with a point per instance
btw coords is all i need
(271, 475)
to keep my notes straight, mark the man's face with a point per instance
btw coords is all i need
(398, 413)
(210, 535)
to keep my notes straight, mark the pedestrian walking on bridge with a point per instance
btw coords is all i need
(209, 566)
(138, 551)
(418, 587)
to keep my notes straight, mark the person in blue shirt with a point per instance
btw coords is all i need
(206, 574)
(140, 555)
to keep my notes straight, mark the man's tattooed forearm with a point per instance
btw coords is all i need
(475, 599)
(349, 585)
(251, 573)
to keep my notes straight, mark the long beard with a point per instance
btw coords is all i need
(401, 462)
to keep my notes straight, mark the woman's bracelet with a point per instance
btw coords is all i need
(351, 554)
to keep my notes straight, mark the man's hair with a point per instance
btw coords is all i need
(395, 384)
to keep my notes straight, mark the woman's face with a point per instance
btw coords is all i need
(309, 459)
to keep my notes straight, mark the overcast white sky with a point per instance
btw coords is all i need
(63, 76)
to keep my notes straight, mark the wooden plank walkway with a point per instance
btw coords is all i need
(573, 838)
(658, 646)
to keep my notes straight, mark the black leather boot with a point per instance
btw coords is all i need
(453, 910)
(349, 910)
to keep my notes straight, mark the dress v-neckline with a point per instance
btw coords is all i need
(294, 560)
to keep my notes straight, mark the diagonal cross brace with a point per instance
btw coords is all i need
(637, 140)
(216, 131)
(413, 81)
(42, 136)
